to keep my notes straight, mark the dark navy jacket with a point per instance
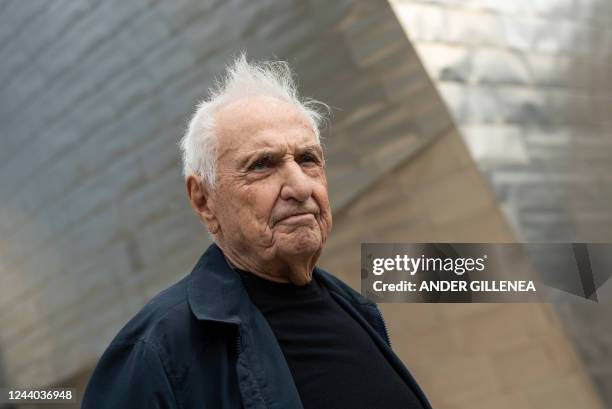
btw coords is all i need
(203, 344)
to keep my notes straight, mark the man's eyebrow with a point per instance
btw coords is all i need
(312, 148)
(259, 153)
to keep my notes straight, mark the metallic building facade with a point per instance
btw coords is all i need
(95, 95)
(529, 84)
(94, 219)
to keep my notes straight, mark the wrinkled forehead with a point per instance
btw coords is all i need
(261, 122)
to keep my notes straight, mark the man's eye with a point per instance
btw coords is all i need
(308, 158)
(260, 164)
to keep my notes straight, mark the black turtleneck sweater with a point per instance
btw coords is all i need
(334, 362)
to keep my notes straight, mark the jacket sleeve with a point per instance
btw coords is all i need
(130, 376)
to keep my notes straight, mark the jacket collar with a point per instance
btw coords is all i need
(216, 293)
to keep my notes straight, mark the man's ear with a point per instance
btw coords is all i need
(203, 205)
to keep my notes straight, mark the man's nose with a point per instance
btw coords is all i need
(296, 184)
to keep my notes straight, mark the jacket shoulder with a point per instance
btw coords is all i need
(163, 315)
(135, 368)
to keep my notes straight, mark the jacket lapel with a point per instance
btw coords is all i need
(216, 293)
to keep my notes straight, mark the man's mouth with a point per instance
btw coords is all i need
(298, 218)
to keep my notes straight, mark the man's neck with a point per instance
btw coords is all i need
(300, 277)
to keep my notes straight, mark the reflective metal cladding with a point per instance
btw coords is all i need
(529, 85)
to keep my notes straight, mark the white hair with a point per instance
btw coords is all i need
(242, 79)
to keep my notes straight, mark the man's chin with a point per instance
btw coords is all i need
(304, 243)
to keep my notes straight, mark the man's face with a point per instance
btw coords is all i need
(270, 199)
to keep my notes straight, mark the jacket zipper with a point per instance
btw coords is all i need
(384, 326)
(237, 344)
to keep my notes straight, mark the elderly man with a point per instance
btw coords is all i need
(256, 324)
